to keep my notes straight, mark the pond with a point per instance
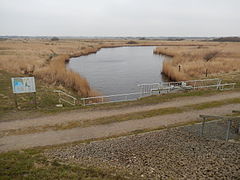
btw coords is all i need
(119, 70)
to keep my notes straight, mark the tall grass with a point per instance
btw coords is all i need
(199, 61)
(47, 61)
(56, 73)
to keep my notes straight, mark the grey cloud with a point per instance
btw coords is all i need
(120, 17)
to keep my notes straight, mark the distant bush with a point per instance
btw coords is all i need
(54, 39)
(210, 55)
(132, 42)
(227, 39)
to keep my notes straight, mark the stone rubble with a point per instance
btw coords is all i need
(168, 154)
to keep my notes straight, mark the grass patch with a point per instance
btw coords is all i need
(215, 104)
(32, 164)
(46, 100)
(156, 99)
(121, 118)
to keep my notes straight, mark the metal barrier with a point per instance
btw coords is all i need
(110, 98)
(150, 88)
(232, 86)
(147, 88)
(185, 85)
(64, 97)
(226, 118)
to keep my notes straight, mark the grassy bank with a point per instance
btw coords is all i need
(46, 59)
(121, 118)
(200, 59)
(32, 164)
(47, 100)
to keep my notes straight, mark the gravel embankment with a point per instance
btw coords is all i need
(174, 153)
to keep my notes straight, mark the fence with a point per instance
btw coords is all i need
(225, 124)
(64, 97)
(185, 85)
(166, 87)
(110, 98)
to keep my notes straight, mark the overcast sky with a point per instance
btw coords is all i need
(120, 17)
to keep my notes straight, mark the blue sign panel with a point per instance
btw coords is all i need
(23, 85)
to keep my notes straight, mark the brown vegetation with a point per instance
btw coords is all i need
(46, 59)
(195, 58)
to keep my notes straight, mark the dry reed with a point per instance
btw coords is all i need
(195, 61)
(46, 59)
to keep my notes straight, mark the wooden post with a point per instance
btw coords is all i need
(206, 72)
(35, 99)
(15, 100)
(228, 129)
(203, 124)
(238, 127)
(179, 68)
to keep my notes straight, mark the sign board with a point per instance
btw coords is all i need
(23, 85)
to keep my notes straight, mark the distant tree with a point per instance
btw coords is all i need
(227, 39)
(132, 42)
(54, 39)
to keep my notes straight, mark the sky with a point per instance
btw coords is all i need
(147, 18)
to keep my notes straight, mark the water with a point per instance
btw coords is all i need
(119, 70)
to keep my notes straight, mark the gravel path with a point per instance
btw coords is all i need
(88, 115)
(58, 137)
(167, 154)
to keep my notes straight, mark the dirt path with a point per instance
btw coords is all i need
(88, 115)
(100, 131)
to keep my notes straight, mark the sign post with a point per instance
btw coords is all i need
(23, 85)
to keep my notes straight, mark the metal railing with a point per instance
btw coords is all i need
(230, 85)
(185, 85)
(148, 89)
(229, 120)
(64, 97)
(110, 98)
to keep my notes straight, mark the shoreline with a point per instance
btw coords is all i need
(47, 59)
(95, 50)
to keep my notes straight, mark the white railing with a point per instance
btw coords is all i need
(230, 85)
(110, 98)
(183, 85)
(149, 88)
(64, 97)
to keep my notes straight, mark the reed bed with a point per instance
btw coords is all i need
(46, 60)
(199, 61)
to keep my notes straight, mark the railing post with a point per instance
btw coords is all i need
(239, 127)
(203, 125)
(228, 129)
(84, 103)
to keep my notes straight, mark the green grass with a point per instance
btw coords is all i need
(46, 100)
(121, 118)
(32, 164)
